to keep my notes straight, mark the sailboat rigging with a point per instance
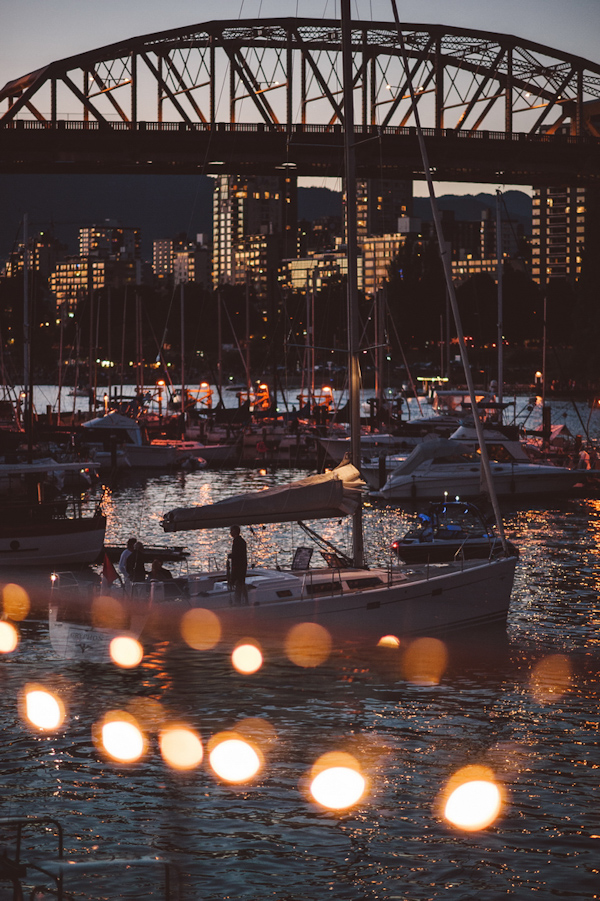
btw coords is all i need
(353, 600)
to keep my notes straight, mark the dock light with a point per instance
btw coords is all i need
(9, 637)
(105, 404)
(42, 708)
(472, 799)
(388, 641)
(336, 781)
(233, 758)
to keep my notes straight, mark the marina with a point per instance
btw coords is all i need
(518, 700)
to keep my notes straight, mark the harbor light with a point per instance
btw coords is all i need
(15, 601)
(308, 645)
(126, 651)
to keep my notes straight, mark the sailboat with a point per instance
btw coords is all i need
(346, 597)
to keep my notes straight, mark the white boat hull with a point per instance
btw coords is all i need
(509, 481)
(421, 600)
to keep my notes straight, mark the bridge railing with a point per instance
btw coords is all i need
(296, 129)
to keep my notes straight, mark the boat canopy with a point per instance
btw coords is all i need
(116, 422)
(327, 495)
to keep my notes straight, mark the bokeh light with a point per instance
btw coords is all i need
(388, 641)
(424, 661)
(126, 651)
(120, 736)
(308, 645)
(233, 758)
(247, 658)
(336, 781)
(200, 629)
(551, 678)
(181, 747)
(15, 601)
(473, 799)
(108, 613)
(43, 708)
(9, 637)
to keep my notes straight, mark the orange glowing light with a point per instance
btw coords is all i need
(126, 651)
(308, 644)
(388, 641)
(121, 737)
(181, 747)
(233, 758)
(336, 781)
(473, 799)
(424, 661)
(16, 601)
(200, 629)
(9, 637)
(551, 678)
(247, 658)
(43, 709)
(108, 613)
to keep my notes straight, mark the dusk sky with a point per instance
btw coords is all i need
(36, 32)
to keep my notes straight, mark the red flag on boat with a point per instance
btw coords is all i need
(109, 573)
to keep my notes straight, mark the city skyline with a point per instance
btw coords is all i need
(25, 47)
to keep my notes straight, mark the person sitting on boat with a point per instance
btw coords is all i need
(135, 564)
(159, 573)
(124, 558)
(239, 566)
(426, 533)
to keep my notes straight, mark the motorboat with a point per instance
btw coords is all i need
(43, 524)
(451, 529)
(452, 467)
(107, 434)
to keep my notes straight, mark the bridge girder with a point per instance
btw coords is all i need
(286, 75)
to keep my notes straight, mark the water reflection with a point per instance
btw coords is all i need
(519, 704)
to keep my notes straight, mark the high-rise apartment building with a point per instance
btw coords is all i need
(244, 206)
(110, 241)
(558, 232)
(380, 202)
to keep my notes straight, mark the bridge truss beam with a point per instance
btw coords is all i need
(227, 78)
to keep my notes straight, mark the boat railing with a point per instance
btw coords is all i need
(24, 872)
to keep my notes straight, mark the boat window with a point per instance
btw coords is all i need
(454, 458)
(323, 587)
(499, 453)
(369, 582)
(284, 594)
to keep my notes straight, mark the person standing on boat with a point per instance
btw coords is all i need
(135, 564)
(123, 560)
(239, 566)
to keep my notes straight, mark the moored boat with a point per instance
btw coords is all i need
(43, 525)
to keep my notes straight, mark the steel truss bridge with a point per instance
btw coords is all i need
(265, 97)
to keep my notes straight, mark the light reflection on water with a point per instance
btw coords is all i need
(266, 838)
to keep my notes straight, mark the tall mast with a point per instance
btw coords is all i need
(485, 460)
(500, 259)
(352, 254)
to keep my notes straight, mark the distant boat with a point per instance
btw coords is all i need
(41, 524)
